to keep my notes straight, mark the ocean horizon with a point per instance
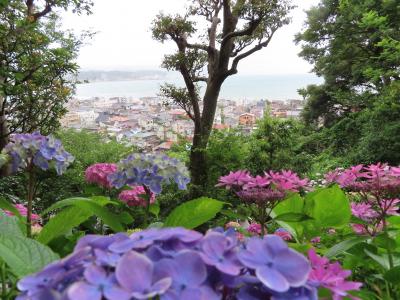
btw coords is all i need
(239, 87)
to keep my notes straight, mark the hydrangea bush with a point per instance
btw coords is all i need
(29, 152)
(263, 192)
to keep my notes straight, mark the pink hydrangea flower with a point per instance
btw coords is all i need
(257, 182)
(234, 179)
(23, 212)
(134, 197)
(363, 211)
(390, 206)
(370, 229)
(254, 229)
(99, 172)
(286, 180)
(331, 276)
(316, 240)
(284, 234)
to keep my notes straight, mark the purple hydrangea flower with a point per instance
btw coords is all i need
(219, 251)
(97, 284)
(278, 267)
(141, 283)
(172, 264)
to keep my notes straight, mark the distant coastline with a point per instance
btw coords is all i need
(239, 87)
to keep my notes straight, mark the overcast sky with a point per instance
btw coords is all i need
(124, 42)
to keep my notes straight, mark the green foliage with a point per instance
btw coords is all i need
(317, 211)
(354, 46)
(194, 213)
(23, 255)
(38, 67)
(78, 210)
(275, 146)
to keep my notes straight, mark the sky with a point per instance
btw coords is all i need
(123, 40)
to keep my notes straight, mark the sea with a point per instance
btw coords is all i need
(237, 87)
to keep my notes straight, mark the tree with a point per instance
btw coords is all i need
(275, 145)
(37, 65)
(355, 46)
(234, 31)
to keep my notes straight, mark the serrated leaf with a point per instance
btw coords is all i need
(24, 256)
(194, 213)
(344, 246)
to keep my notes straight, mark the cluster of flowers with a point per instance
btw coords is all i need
(377, 187)
(98, 174)
(261, 189)
(150, 170)
(330, 276)
(148, 264)
(135, 197)
(44, 152)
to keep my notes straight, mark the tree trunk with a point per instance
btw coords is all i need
(198, 157)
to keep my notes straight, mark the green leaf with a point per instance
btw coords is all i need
(344, 246)
(99, 200)
(292, 217)
(125, 218)
(393, 275)
(62, 223)
(24, 256)
(383, 261)
(194, 213)
(328, 206)
(94, 206)
(11, 225)
(155, 209)
(6, 205)
(293, 204)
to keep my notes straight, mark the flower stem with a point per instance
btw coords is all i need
(146, 215)
(3, 280)
(31, 191)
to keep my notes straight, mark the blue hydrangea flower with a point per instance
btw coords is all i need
(44, 152)
(151, 170)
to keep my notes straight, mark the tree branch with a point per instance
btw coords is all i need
(237, 59)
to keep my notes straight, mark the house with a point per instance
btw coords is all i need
(247, 119)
